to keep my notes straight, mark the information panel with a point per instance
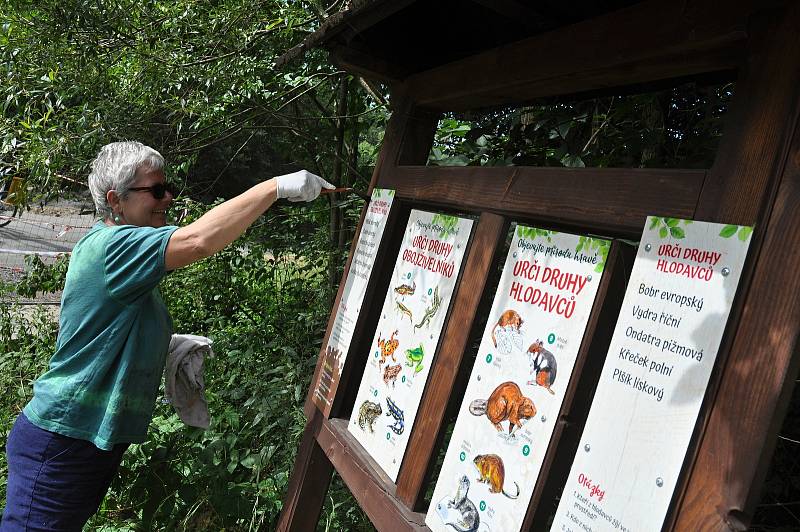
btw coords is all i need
(355, 286)
(655, 376)
(407, 336)
(514, 395)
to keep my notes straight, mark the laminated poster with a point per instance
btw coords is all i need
(655, 376)
(514, 395)
(355, 286)
(407, 336)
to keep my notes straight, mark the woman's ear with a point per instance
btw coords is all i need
(113, 199)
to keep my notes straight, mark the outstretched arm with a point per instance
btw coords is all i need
(226, 222)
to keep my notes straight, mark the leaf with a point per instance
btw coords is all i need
(672, 222)
(600, 266)
(728, 231)
(744, 233)
(653, 222)
(677, 232)
(663, 232)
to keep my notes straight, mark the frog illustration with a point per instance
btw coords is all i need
(388, 347)
(414, 357)
(367, 414)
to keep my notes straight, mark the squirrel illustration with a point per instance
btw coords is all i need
(505, 403)
(508, 318)
(493, 472)
(543, 366)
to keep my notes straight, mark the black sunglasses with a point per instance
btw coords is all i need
(158, 190)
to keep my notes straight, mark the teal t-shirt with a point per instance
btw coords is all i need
(102, 381)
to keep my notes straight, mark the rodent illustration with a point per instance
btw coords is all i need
(493, 472)
(543, 366)
(468, 519)
(509, 318)
(505, 403)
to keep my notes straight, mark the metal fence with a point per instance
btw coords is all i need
(46, 230)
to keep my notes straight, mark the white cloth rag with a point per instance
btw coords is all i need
(183, 378)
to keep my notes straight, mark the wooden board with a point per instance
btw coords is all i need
(654, 379)
(336, 349)
(621, 48)
(609, 200)
(528, 351)
(407, 337)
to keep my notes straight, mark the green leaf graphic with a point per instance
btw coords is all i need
(653, 223)
(744, 233)
(663, 232)
(728, 231)
(677, 232)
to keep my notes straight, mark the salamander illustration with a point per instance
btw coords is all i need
(543, 366)
(505, 403)
(509, 323)
(388, 347)
(493, 472)
(367, 415)
(414, 358)
(406, 290)
(399, 423)
(390, 373)
(431, 311)
(404, 311)
(460, 512)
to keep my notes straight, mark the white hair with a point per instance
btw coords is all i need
(115, 167)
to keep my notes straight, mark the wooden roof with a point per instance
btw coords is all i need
(395, 38)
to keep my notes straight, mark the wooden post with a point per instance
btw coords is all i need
(755, 179)
(489, 234)
(408, 140)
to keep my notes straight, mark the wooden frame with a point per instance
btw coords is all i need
(755, 180)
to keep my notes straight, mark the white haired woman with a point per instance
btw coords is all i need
(98, 395)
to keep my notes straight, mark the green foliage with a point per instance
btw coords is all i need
(676, 128)
(669, 227)
(600, 246)
(40, 277)
(742, 232)
(27, 339)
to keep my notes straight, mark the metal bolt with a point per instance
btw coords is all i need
(588, 277)
(726, 271)
(648, 247)
(515, 254)
(659, 482)
(479, 377)
(587, 447)
(544, 418)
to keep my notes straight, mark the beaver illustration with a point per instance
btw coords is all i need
(505, 403)
(543, 366)
(492, 471)
(509, 318)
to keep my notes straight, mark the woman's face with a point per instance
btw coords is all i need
(140, 207)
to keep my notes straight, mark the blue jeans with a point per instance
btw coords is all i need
(54, 482)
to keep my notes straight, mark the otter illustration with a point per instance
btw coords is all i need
(466, 518)
(543, 366)
(493, 472)
(509, 318)
(505, 403)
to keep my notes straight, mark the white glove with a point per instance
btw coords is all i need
(300, 186)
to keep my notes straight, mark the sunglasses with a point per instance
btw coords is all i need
(158, 190)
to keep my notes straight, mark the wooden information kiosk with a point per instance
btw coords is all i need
(689, 337)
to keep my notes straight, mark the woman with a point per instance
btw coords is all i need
(98, 394)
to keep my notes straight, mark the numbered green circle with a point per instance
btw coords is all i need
(483, 506)
(408, 276)
(489, 358)
(375, 393)
(388, 436)
(463, 456)
(526, 450)
(430, 291)
(403, 379)
(376, 354)
(551, 338)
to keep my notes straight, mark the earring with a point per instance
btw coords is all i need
(117, 219)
